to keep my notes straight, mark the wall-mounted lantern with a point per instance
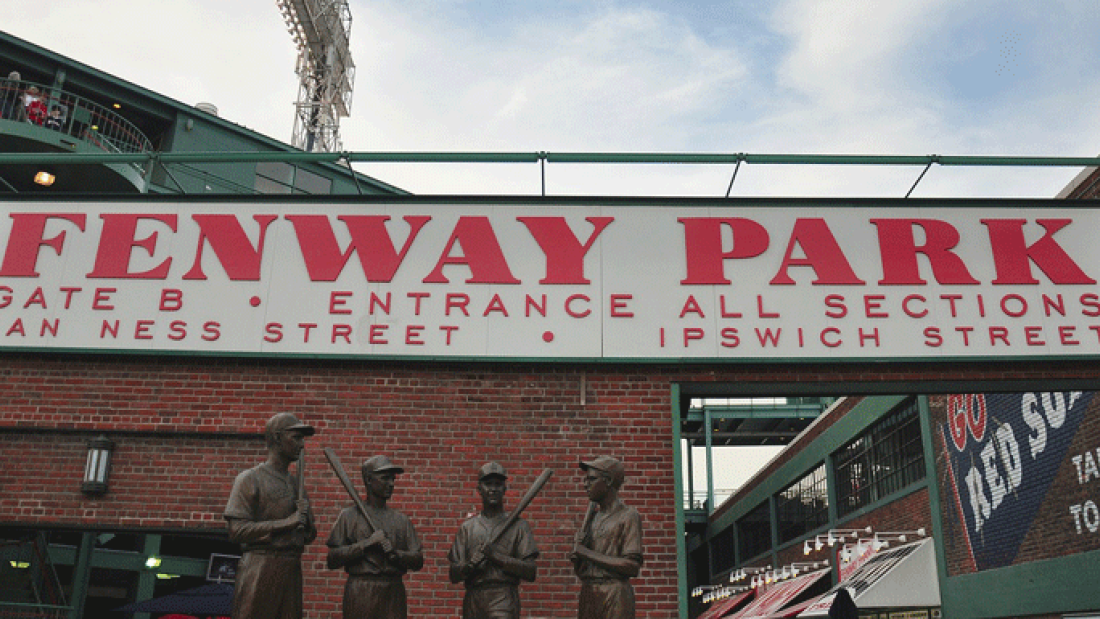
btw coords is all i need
(98, 466)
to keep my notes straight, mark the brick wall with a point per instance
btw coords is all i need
(185, 426)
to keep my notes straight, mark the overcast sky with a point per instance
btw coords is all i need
(781, 76)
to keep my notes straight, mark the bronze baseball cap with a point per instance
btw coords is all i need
(607, 464)
(380, 464)
(287, 421)
(491, 469)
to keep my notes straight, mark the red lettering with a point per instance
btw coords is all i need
(108, 328)
(48, 327)
(341, 331)
(569, 306)
(564, 253)
(703, 246)
(102, 298)
(273, 332)
(177, 330)
(26, 238)
(530, 302)
(417, 297)
(829, 342)
(37, 298)
(227, 238)
(1012, 256)
(117, 243)
(619, 307)
(835, 303)
(449, 330)
(724, 312)
(376, 302)
(1022, 305)
(998, 333)
(1066, 334)
(378, 257)
(932, 337)
(413, 333)
(864, 336)
(16, 328)
(1091, 301)
(822, 254)
(691, 306)
(871, 305)
(337, 299)
(730, 338)
(1034, 335)
(760, 309)
(692, 333)
(496, 304)
(171, 300)
(211, 331)
(69, 292)
(141, 330)
(909, 312)
(459, 301)
(899, 250)
(481, 253)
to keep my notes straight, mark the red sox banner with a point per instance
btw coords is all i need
(1019, 476)
(715, 280)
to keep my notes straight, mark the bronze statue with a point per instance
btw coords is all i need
(376, 545)
(607, 551)
(268, 514)
(492, 553)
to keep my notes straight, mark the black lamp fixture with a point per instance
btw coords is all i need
(98, 466)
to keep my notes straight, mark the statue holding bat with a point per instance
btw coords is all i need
(268, 515)
(374, 544)
(493, 551)
(607, 551)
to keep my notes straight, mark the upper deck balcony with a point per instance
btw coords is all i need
(38, 118)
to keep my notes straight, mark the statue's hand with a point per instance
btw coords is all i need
(303, 512)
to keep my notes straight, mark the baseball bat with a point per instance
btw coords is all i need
(522, 505)
(582, 534)
(334, 462)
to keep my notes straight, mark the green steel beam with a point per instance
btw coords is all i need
(534, 157)
(733, 411)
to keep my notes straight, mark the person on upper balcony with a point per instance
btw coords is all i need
(36, 107)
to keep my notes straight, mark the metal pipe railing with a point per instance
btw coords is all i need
(536, 157)
(74, 116)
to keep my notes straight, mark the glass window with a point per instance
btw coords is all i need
(276, 170)
(308, 182)
(754, 532)
(803, 506)
(722, 546)
(886, 458)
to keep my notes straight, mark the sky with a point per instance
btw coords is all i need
(912, 77)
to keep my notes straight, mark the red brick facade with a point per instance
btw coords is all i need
(185, 426)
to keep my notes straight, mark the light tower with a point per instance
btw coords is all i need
(322, 31)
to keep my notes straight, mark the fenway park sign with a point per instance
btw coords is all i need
(545, 280)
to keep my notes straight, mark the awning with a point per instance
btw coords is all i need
(726, 606)
(793, 611)
(901, 577)
(777, 597)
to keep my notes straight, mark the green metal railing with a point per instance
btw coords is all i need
(541, 158)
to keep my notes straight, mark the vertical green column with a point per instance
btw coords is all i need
(82, 573)
(147, 577)
(681, 527)
(710, 462)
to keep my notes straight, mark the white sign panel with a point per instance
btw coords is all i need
(552, 281)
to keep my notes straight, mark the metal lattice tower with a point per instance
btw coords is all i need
(322, 31)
